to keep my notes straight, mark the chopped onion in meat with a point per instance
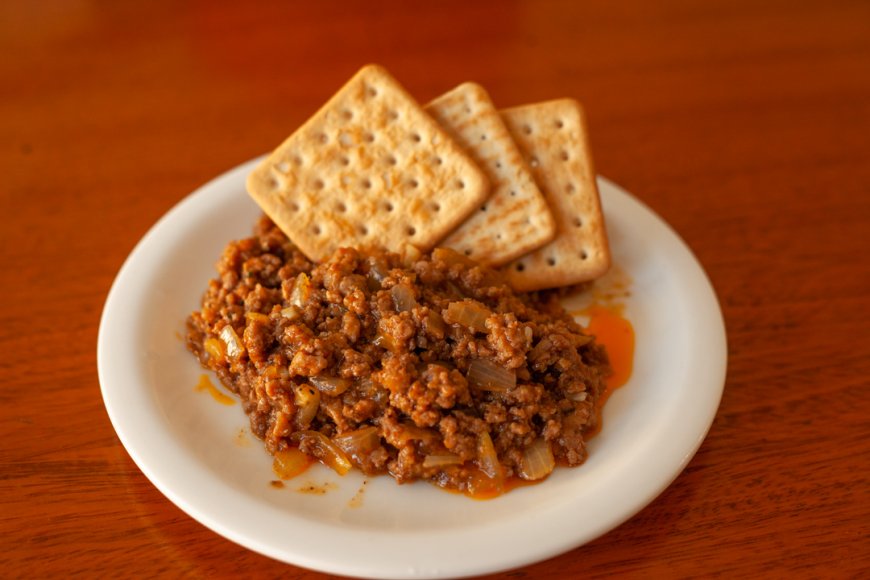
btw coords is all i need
(487, 459)
(307, 401)
(468, 313)
(252, 316)
(330, 385)
(537, 461)
(215, 348)
(301, 290)
(291, 313)
(452, 257)
(325, 450)
(441, 460)
(411, 254)
(486, 375)
(358, 443)
(410, 432)
(403, 297)
(232, 342)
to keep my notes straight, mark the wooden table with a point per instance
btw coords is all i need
(745, 125)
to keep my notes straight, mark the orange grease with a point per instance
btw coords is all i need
(616, 333)
(206, 385)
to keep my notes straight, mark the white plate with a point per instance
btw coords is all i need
(191, 449)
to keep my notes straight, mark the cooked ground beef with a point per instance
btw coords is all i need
(428, 367)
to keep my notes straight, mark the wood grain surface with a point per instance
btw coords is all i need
(744, 124)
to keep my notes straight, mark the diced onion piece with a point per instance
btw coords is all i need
(451, 257)
(410, 254)
(330, 385)
(537, 461)
(215, 348)
(290, 462)
(307, 401)
(291, 313)
(301, 291)
(403, 297)
(256, 316)
(385, 339)
(435, 324)
(442, 460)
(411, 432)
(486, 375)
(468, 313)
(487, 459)
(358, 443)
(325, 450)
(276, 372)
(232, 342)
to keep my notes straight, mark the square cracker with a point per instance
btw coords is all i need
(553, 138)
(369, 169)
(515, 218)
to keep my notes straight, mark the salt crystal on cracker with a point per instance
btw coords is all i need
(553, 139)
(515, 219)
(370, 169)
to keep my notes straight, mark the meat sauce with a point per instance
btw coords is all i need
(423, 367)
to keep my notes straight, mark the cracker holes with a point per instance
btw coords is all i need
(520, 267)
(366, 183)
(467, 251)
(411, 231)
(388, 206)
(413, 184)
(341, 207)
(564, 155)
(483, 207)
(559, 123)
(527, 129)
(498, 164)
(371, 92)
(436, 207)
(569, 188)
(483, 137)
(363, 230)
(393, 115)
(391, 160)
(318, 184)
(577, 222)
(369, 137)
(323, 138)
(513, 193)
(347, 115)
(416, 138)
(584, 255)
(316, 230)
(344, 160)
(468, 109)
(297, 160)
(498, 236)
(438, 161)
(294, 207)
(460, 184)
(551, 261)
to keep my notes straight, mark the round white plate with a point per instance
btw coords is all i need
(202, 457)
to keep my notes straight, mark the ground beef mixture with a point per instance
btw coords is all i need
(423, 366)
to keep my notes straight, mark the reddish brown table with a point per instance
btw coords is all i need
(743, 124)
